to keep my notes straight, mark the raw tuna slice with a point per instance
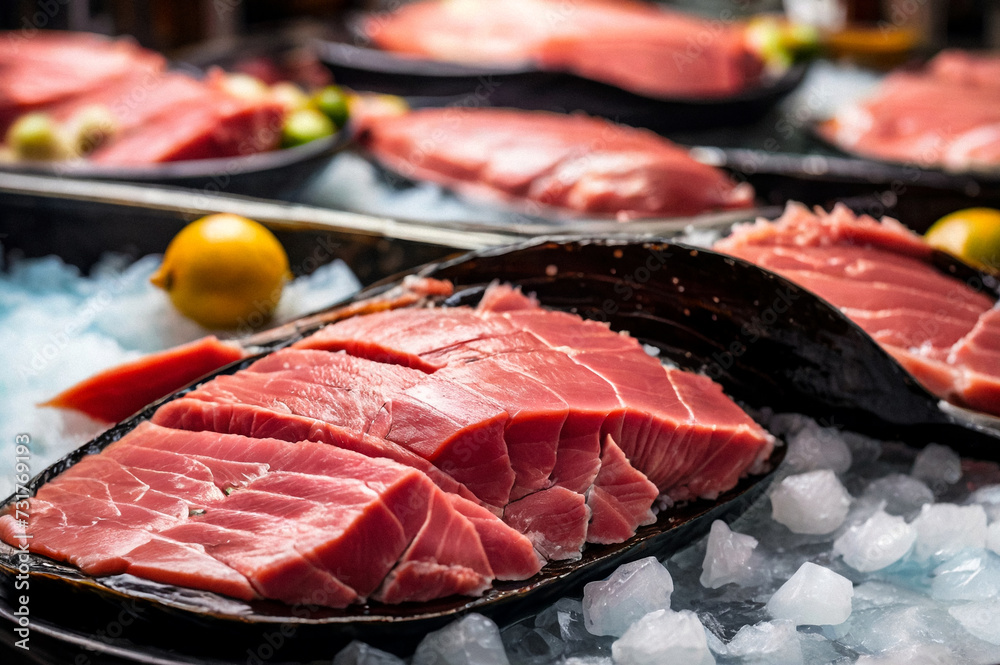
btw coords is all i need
(511, 554)
(939, 328)
(273, 564)
(554, 520)
(633, 45)
(620, 499)
(184, 564)
(53, 67)
(570, 163)
(261, 423)
(445, 557)
(901, 120)
(321, 525)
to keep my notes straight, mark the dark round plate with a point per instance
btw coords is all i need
(259, 174)
(522, 85)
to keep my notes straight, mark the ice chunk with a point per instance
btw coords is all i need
(938, 466)
(878, 542)
(972, 574)
(359, 653)
(903, 495)
(989, 498)
(728, 556)
(921, 654)
(814, 595)
(814, 447)
(813, 503)
(767, 642)
(944, 529)
(632, 591)
(531, 646)
(661, 637)
(472, 640)
(993, 537)
(981, 619)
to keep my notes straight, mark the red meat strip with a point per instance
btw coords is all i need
(632, 45)
(554, 520)
(574, 163)
(941, 329)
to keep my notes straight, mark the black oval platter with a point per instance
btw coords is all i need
(258, 174)
(522, 85)
(701, 310)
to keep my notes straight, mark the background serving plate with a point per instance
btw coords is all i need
(811, 360)
(522, 85)
(260, 174)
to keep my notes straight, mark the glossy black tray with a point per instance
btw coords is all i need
(260, 174)
(693, 305)
(524, 86)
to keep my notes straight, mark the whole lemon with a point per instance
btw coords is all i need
(972, 234)
(224, 271)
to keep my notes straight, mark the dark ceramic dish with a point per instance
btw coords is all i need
(702, 310)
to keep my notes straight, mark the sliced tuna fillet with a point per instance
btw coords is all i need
(633, 45)
(620, 499)
(571, 163)
(939, 328)
(261, 423)
(554, 520)
(511, 554)
(445, 558)
(901, 121)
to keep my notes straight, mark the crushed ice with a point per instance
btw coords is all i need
(905, 572)
(58, 327)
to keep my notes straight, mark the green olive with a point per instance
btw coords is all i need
(36, 136)
(91, 128)
(332, 101)
(305, 126)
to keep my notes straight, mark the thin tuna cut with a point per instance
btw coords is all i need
(901, 121)
(155, 115)
(943, 331)
(633, 45)
(317, 524)
(611, 385)
(569, 163)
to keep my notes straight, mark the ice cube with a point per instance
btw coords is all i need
(944, 529)
(814, 447)
(531, 646)
(938, 466)
(989, 498)
(472, 640)
(972, 574)
(766, 643)
(876, 543)
(922, 654)
(814, 595)
(903, 495)
(728, 556)
(632, 591)
(811, 503)
(359, 653)
(993, 537)
(981, 618)
(663, 636)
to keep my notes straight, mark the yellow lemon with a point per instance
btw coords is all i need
(972, 234)
(224, 271)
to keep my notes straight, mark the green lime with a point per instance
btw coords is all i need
(332, 101)
(304, 126)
